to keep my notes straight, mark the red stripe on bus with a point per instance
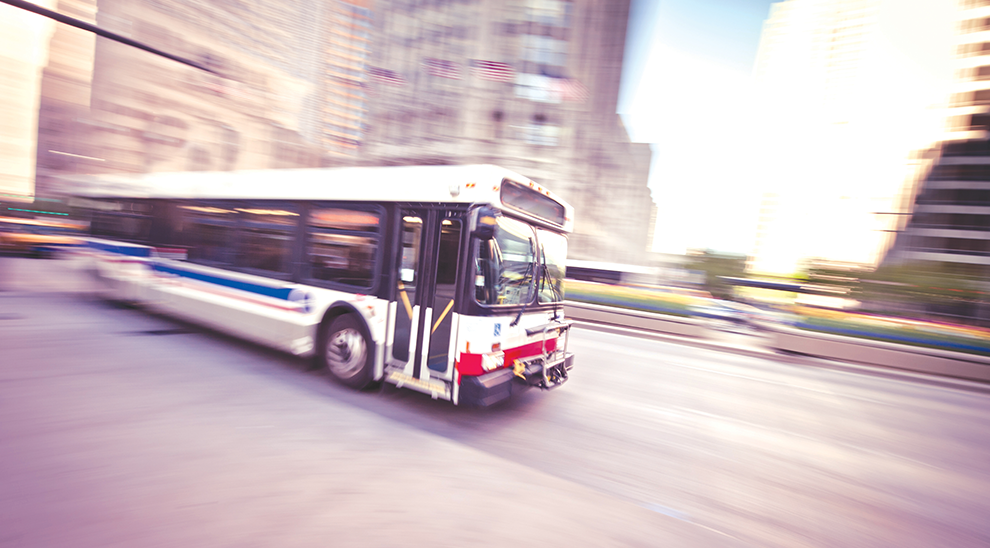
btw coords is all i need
(470, 364)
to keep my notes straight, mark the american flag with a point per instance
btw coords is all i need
(491, 70)
(385, 76)
(571, 90)
(442, 68)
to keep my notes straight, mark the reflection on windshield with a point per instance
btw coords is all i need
(506, 264)
(553, 254)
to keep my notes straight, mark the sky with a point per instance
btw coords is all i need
(680, 55)
(721, 148)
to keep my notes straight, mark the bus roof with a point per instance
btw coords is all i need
(450, 184)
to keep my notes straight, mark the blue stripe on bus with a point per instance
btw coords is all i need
(121, 249)
(281, 293)
(258, 289)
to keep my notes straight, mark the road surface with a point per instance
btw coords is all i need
(122, 428)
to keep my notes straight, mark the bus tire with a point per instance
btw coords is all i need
(346, 352)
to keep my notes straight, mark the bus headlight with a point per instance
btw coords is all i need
(492, 361)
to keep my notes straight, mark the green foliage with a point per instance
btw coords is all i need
(928, 284)
(717, 266)
(925, 288)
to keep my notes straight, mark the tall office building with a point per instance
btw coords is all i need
(347, 45)
(851, 89)
(24, 53)
(531, 85)
(950, 212)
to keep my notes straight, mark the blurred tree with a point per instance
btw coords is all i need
(833, 275)
(716, 266)
(926, 289)
(929, 288)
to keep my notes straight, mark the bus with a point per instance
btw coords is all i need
(447, 280)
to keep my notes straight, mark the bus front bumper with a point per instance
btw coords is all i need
(539, 372)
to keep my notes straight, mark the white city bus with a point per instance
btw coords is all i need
(443, 279)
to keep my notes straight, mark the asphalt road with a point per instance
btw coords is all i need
(121, 428)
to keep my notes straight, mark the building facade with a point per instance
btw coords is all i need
(948, 217)
(531, 85)
(848, 89)
(107, 107)
(24, 53)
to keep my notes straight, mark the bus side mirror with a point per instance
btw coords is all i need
(483, 223)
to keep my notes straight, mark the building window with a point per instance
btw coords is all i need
(544, 50)
(969, 50)
(976, 25)
(541, 134)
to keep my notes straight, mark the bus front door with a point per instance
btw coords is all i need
(426, 278)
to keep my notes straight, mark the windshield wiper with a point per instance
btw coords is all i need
(532, 286)
(558, 297)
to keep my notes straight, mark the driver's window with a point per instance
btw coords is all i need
(506, 264)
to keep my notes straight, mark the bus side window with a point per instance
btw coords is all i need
(342, 245)
(164, 224)
(209, 233)
(123, 220)
(266, 237)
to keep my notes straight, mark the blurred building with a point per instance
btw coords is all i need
(343, 118)
(108, 107)
(24, 47)
(950, 212)
(531, 85)
(851, 89)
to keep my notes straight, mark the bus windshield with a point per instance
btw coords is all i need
(553, 255)
(505, 265)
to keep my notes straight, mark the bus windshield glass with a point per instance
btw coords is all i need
(505, 265)
(553, 255)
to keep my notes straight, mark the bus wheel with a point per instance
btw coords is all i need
(346, 352)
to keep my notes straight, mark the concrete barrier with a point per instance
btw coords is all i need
(661, 323)
(864, 351)
(783, 338)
